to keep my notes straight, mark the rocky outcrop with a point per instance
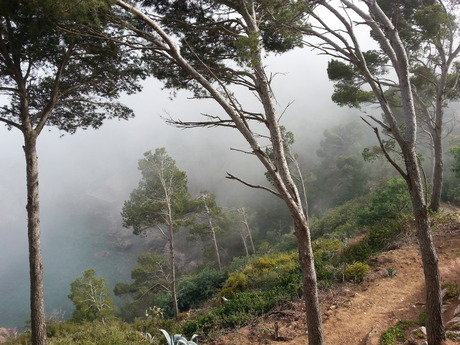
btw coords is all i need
(7, 333)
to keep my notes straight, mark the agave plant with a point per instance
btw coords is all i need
(178, 339)
(150, 337)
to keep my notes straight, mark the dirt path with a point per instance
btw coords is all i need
(358, 314)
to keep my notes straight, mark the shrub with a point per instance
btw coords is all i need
(237, 282)
(359, 251)
(381, 235)
(389, 201)
(356, 272)
(262, 273)
(326, 248)
(198, 288)
(391, 336)
(87, 333)
(340, 220)
(452, 290)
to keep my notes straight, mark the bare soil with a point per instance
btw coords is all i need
(357, 314)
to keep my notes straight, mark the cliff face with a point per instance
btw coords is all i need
(7, 333)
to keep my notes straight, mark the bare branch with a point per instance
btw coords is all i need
(232, 177)
(385, 152)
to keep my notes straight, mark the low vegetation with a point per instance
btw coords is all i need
(211, 300)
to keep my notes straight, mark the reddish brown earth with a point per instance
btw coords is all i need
(357, 314)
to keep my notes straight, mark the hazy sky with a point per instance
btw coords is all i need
(103, 163)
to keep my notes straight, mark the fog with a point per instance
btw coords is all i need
(84, 178)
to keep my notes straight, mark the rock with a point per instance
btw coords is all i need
(457, 311)
(7, 333)
(453, 322)
(423, 329)
(373, 337)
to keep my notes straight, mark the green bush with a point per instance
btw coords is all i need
(356, 272)
(452, 290)
(389, 201)
(235, 283)
(262, 273)
(194, 290)
(341, 220)
(326, 248)
(381, 235)
(392, 336)
(359, 251)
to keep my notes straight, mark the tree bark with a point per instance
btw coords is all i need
(172, 259)
(434, 323)
(246, 224)
(309, 281)
(213, 234)
(37, 307)
(277, 168)
(438, 168)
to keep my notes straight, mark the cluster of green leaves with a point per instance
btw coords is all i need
(162, 188)
(396, 334)
(356, 272)
(348, 80)
(392, 336)
(91, 298)
(342, 221)
(208, 50)
(237, 311)
(261, 273)
(193, 291)
(93, 73)
(196, 289)
(390, 201)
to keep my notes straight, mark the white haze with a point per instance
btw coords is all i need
(102, 164)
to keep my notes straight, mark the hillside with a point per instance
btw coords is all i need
(354, 314)
(359, 313)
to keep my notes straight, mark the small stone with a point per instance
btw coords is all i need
(453, 321)
(423, 329)
(457, 311)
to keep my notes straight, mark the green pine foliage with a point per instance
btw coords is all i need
(91, 298)
(196, 289)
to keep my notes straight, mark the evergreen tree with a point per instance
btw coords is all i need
(160, 203)
(91, 298)
(51, 77)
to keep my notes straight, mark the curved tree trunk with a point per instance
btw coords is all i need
(37, 307)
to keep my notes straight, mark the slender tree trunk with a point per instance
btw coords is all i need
(243, 238)
(436, 134)
(172, 260)
(438, 167)
(246, 224)
(213, 235)
(216, 248)
(434, 323)
(37, 307)
(309, 281)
